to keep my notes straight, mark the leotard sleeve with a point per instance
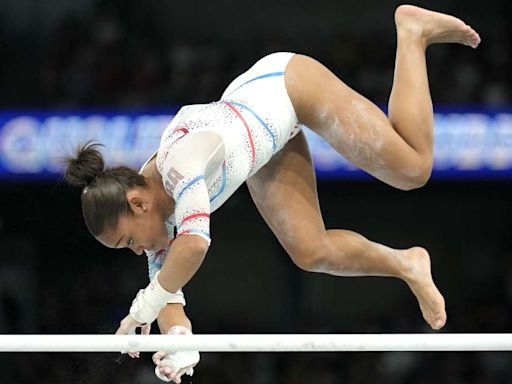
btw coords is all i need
(183, 165)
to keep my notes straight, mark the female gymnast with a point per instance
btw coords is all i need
(253, 134)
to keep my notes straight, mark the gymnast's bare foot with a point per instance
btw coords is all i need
(419, 278)
(434, 27)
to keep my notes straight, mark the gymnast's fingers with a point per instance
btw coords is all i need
(146, 329)
(158, 356)
(127, 325)
(180, 373)
(159, 372)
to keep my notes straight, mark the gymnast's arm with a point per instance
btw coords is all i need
(171, 365)
(183, 260)
(172, 315)
(183, 175)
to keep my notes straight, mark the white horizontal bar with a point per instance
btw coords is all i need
(259, 343)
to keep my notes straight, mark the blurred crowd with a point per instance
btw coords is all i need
(103, 58)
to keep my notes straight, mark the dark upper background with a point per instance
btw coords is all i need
(122, 53)
(55, 278)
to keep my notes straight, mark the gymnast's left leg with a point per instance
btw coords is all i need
(285, 193)
(396, 149)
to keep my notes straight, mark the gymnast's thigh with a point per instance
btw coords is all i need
(285, 193)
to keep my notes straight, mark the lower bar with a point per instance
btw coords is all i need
(259, 343)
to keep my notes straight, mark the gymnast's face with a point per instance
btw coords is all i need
(143, 229)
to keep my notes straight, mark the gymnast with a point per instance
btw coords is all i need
(253, 134)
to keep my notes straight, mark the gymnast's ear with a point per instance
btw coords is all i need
(136, 201)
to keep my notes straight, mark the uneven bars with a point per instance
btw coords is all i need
(260, 342)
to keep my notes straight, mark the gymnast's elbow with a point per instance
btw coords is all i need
(193, 246)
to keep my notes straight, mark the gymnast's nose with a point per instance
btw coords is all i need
(137, 249)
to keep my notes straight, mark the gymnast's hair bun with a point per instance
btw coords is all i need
(83, 168)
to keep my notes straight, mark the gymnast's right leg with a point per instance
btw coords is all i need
(284, 191)
(397, 149)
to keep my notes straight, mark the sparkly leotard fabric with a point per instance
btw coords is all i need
(209, 150)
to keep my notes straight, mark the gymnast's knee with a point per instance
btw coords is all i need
(414, 177)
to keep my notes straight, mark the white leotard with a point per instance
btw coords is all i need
(209, 150)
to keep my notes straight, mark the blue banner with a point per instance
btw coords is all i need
(468, 144)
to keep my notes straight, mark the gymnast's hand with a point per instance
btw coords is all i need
(142, 312)
(147, 305)
(134, 320)
(128, 326)
(170, 366)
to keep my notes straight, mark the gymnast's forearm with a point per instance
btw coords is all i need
(172, 315)
(183, 260)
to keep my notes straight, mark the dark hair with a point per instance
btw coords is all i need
(104, 189)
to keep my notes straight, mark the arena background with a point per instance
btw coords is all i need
(132, 57)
